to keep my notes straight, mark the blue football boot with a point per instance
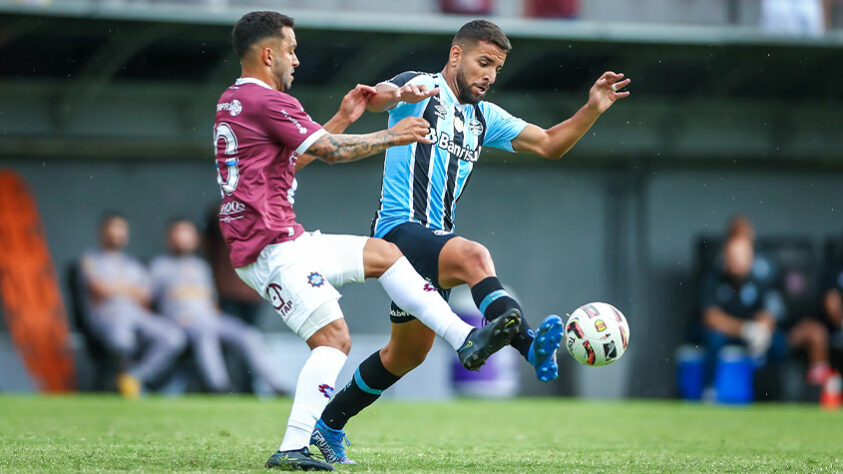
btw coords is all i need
(331, 443)
(542, 355)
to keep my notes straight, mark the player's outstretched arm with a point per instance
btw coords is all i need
(557, 140)
(388, 95)
(352, 107)
(346, 148)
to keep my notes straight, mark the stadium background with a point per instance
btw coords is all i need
(108, 105)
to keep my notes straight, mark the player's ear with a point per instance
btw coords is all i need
(266, 56)
(455, 55)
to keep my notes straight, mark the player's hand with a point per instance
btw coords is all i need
(757, 336)
(354, 103)
(607, 90)
(411, 93)
(411, 130)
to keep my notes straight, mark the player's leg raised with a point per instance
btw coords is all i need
(465, 261)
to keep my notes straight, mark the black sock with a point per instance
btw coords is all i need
(492, 300)
(370, 380)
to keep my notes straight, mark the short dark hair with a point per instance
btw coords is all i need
(111, 215)
(255, 26)
(482, 30)
(174, 221)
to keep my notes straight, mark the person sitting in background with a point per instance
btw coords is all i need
(118, 297)
(738, 310)
(804, 333)
(184, 291)
(832, 304)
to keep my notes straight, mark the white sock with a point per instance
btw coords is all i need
(313, 391)
(415, 295)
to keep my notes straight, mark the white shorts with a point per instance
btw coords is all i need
(299, 276)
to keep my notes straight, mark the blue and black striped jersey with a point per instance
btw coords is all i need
(422, 183)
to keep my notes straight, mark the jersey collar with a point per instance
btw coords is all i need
(451, 96)
(251, 80)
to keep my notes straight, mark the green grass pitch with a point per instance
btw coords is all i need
(97, 433)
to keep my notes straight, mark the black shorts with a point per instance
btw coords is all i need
(421, 246)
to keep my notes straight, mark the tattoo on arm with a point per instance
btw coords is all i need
(346, 148)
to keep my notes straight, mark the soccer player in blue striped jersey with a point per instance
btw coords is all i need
(422, 183)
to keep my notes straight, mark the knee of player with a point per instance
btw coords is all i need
(378, 256)
(341, 340)
(335, 334)
(819, 333)
(122, 346)
(175, 339)
(476, 257)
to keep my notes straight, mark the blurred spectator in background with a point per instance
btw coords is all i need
(118, 297)
(803, 333)
(795, 17)
(735, 308)
(832, 302)
(235, 297)
(763, 270)
(738, 310)
(184, 291)
(467, 7)
(552, 8)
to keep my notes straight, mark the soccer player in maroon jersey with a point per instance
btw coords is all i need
(259, 133)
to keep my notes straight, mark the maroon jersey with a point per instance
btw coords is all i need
(258, 134)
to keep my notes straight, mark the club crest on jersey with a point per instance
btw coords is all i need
(326, 390)
(440, 112)
(476, 127)
(315, 279)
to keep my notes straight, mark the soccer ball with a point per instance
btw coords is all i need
(596, 334)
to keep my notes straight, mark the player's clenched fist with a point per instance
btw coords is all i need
(411, 130)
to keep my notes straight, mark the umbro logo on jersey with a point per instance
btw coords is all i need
(440, 112)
